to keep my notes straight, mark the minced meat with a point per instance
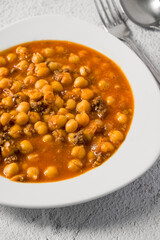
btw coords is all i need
(99, 106)
(79, 138)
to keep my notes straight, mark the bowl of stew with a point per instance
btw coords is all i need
(78, 113)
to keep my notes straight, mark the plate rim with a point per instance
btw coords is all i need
(89, 198)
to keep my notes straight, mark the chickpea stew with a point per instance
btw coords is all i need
(64, 109)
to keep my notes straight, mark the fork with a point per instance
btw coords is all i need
(114, 21)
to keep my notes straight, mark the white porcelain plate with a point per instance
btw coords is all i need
(142, 145)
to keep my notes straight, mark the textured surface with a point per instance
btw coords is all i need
(129, 214)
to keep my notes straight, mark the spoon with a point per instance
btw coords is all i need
(145, 13)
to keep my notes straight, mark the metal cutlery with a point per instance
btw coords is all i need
(145, 13)
(114, 20)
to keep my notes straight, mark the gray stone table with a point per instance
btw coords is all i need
(132, 213)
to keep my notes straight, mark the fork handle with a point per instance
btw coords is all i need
(143, 57)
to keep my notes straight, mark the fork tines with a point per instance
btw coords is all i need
(110, 12)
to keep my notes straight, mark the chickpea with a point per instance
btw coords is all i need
(57, 87)
(66, 79)
(24, 166)
(62, 111)
(82, 53)
(89, 132)
(33, 157)
(2, 110)
(75, 165)
(46, 118)
(33, 173)
(33, 117)
(41, 70)
(25, 147)
(59, 135)
(59, 49)
(37, 124)
(20, 97)
(107, 147)
(71, 137)
(8, 149)
(22, 118)
(80, 82)
(29, 81)
(49, 98)
(115, 136)
(99, 124)
(57, 121)
(87, 94)
(41, 127)
(70, 116)
(96, 60)
(5, 83)
(10, 170)
(122, 118)
(83, 106)
(117, 86)
(59, 102)
(76, 92)
(23, 107)
(73, 58)
(51, 172)
(2, 61)
(3, 71)
(16, 86)
(54, 66)
(47, 88)
(37, 58)
(20, 50)
(48, 52)
(11, 57)
(71, 104)
(18, 178)
(23, 65)
(15, 131)
(47, 138)
(103, 85)
(110, 100)
(40, 83)
(90, 156)
(30, 70)
(78, 152)
(82, 119)
(5, 118)
(71, 126)
(13, 113)
(84, 70)
(49, 59)
(29, 130)
(8, 102)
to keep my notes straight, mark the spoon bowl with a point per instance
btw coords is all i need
(145, 13)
